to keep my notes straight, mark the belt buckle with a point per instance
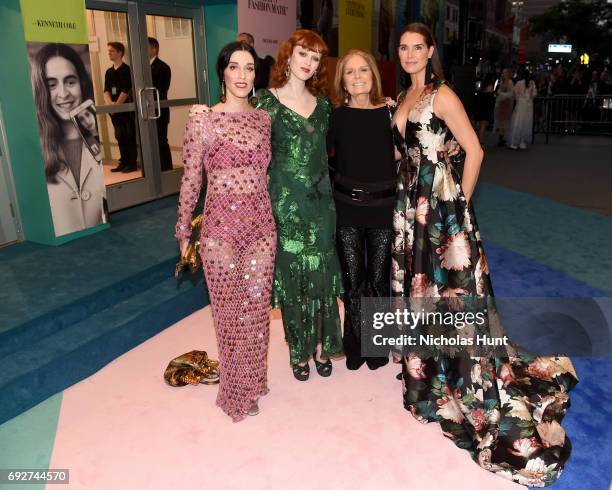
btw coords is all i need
(356, 194)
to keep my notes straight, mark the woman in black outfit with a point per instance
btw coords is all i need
(364, 192)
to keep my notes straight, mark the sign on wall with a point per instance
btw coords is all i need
(57, 42)
(269, 21)
(355, 25)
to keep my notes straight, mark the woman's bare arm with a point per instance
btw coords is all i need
(448, 107)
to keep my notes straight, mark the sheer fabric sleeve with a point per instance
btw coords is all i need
(194, 149)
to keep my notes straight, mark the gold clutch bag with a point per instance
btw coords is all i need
(190, 257)
(192, 368)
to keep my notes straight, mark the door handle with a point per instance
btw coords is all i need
(157, 104)
(143, 102)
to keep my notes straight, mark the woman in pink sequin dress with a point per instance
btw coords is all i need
(231, 142)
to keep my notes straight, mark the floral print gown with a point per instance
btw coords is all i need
(506, 411)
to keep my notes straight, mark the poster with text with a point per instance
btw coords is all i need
(56, 36)
(355, 25)
(270, 22)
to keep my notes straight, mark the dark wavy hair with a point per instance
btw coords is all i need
(436, 65)
(50, 127)
(226, 53)
(308, 40)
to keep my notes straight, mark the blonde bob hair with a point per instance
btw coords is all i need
(341, 95)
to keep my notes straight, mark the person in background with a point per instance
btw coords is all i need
(118, 90)
(263, 65)
(576, 84)
(161, 75)
(522, 116)
(605, 83)
(503, 105)
(543, 85)
(485, 103)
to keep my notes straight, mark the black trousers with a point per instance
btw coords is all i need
(365, 258)
(125, 134)
(165, 156)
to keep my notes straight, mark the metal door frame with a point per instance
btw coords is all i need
(155, 183)
(6, 170)
(169, 182)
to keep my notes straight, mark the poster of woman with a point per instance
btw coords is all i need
(63, 92)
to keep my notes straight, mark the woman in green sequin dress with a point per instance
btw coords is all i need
(307, 279)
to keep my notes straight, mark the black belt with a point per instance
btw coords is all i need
(361, 195)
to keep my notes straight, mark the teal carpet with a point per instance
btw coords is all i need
(70, 310)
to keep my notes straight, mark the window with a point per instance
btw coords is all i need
(177, 27)
(116, 26)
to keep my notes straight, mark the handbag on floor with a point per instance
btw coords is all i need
(192, 368)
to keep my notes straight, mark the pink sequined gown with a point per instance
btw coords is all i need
(238, 242)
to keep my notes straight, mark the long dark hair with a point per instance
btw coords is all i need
(523, 74)
(50, 127)
(226, 53)
(436, 66)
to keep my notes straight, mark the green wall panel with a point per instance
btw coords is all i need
(17, 102)
(19, 114)
(221, 28)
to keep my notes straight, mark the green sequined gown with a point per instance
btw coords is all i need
(307, 280)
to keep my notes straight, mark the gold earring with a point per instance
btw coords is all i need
(253, 99)
(223, 97)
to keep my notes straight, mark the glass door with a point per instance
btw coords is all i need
(141, 117)
(172, 75)
(10, 227)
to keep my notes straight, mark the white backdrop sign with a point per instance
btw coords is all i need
(270, 21)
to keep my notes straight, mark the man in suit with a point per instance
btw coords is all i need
(262, 65)
(161, 75)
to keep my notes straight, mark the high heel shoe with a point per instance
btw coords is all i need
(253, 409)
(301, 372)
(324, 368)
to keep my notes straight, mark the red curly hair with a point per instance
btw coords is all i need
(308, 40)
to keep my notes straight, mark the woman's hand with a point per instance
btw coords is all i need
(183, 246)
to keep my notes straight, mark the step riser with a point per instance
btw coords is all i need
(54, 321)
(33, 387)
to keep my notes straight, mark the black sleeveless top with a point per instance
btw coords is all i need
(364, 160)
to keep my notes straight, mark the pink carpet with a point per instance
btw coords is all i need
(124, 428)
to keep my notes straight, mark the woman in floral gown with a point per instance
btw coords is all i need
(307, 280)
(505, 410)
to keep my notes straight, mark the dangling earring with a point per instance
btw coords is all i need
(347, 97)
(223, 97)
(314, 76)
(428, 71)
(287, 72)
(253, 99)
